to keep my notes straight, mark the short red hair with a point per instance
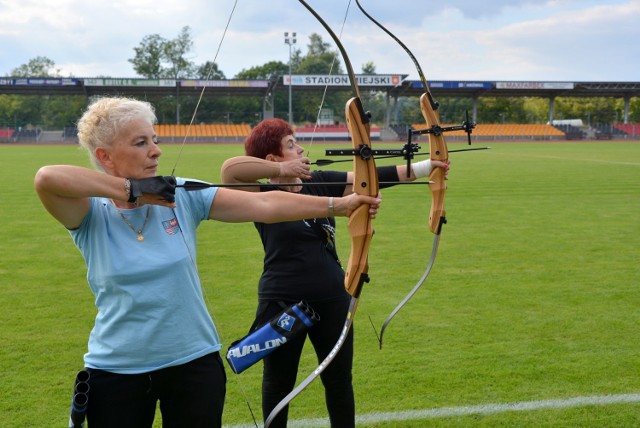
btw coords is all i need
(266, 138)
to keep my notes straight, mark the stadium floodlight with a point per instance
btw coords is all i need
(290, 41)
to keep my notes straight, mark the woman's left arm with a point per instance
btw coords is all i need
(399, 172)
(273, 207)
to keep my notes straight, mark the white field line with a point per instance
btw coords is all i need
(483, 409)
(610, 162)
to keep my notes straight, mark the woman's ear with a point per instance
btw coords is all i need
(271, 157)
(103, 156)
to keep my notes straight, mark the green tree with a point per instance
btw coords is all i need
(47, 112)
(265, 71)
(147, 61)
(500, 110)
(61, 111)
(157, 57)
(174, 53)
(536, 109)
(40, 66)
(210, 71)
(251, 108)
(593, 111)
(374, 101)
(319, 59)
(634, 110)
(369, 68)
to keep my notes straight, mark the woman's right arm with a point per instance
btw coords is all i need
(65, 190)
(249, 169)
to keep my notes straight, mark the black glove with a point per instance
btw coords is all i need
(159, 185)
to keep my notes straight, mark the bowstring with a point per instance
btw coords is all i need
(326, 87)
(213, 64)
(205, 293)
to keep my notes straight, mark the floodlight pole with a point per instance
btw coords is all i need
(290, 41)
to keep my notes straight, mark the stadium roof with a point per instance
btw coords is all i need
(396, 85)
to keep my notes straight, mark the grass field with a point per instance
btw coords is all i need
(534, 295)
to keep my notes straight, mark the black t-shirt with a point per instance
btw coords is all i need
(300, 261)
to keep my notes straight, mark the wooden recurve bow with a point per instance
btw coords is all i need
(360, 223)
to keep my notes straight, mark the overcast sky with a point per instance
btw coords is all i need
(554, 40)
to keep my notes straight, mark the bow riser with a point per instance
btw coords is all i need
(438, 151)
(365, 182)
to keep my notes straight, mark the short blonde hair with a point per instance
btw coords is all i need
(102, 120)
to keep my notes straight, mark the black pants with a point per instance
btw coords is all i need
(190, 395)
(281, 366)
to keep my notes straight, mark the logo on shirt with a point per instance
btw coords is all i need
(171, 226)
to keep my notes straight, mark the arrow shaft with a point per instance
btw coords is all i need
(198, 185)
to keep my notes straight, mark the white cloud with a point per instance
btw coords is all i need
(460, 39)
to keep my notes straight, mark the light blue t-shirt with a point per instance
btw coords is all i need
(151, 311)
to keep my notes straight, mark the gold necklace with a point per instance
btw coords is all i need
(138, 232)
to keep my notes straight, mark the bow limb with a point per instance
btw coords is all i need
(438, 151)
(359, 225)
(437, 184)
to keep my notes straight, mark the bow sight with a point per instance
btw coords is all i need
(409, 149)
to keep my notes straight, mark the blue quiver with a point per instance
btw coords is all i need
(293, 321)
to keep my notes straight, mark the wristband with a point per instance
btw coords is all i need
(422, 168)
(134, 190)
(127, 190)
(330, 206)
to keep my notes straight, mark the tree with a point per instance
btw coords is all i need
(369, 68)
(316, 46)
(174, 52)
(40, 66)
(20, 111)
(148, 59)
(157, 57)
(265, 71)
(210, 71)
(501, 110)
(319, 60)
(593, 111)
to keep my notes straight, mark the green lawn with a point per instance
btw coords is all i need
(534, 294)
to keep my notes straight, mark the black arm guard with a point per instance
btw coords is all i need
(159, 185)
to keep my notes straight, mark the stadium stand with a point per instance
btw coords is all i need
(402, 131)
(69, 133)
(203, 132)
(25, 135)
(628, 129)
(503, 131)
(572, 132)
(6, 135)
(607, 132)
(329, 132)
(230, 133)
